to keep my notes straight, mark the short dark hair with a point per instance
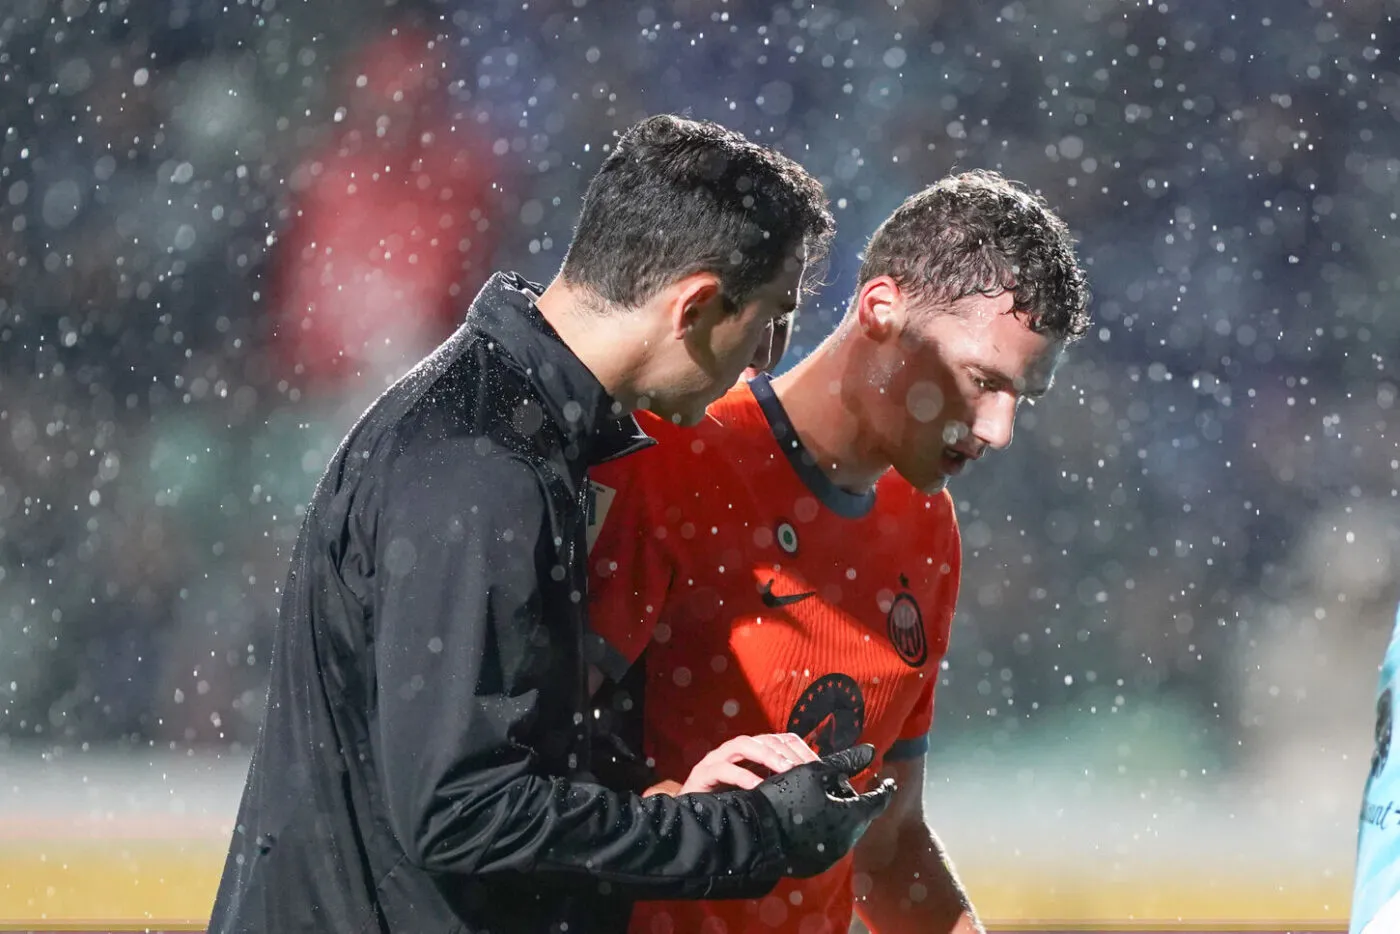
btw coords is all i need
(677, 197)
(979, 233)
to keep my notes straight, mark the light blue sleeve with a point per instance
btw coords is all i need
(1378, 843)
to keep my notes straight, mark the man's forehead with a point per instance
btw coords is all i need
(1039, 372)
(1005, 345)
(1038, 383)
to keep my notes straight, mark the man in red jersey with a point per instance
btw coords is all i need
(792, 564)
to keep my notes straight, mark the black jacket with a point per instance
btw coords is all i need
(425, 761)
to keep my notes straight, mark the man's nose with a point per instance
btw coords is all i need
(996, 421)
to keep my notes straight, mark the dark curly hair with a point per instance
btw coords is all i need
(979, 233)
(678, 196)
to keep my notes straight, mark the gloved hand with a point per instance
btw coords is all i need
(820, 814)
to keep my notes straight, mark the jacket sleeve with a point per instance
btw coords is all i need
(462, 544)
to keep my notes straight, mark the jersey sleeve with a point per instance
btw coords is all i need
(629, 566)
(913, 737)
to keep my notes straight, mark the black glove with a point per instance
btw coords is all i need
(820, 814)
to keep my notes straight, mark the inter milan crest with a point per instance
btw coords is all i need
(1383, 728)
(906, 627)
(830, 714)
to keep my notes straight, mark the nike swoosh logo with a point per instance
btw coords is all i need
(774, 600)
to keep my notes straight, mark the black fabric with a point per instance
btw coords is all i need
(834, 815)
(426, 763)
(619, 712)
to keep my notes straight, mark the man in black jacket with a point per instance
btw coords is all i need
(427, 759)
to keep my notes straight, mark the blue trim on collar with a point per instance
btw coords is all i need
(844, 503)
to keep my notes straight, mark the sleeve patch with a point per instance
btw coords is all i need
(600, 500)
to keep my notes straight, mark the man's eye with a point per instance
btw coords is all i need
(985, 385)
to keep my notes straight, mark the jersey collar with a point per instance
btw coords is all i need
(843, 502)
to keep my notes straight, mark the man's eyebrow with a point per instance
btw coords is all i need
(1037, 392)
(1029, 392)
(995, 375)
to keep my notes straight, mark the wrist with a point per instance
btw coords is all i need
(762, 815)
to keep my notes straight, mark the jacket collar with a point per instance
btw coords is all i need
(592, 422)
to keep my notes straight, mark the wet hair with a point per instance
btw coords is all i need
(676, 197)
(978, 233)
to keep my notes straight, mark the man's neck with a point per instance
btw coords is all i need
(826, 415)
(597, 338)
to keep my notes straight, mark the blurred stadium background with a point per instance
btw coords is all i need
(1178, 583)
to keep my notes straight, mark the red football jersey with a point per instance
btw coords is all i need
(767, 599)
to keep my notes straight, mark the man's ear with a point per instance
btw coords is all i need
(693, 302)
(880, 309)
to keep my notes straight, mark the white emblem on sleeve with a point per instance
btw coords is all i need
(600, 500)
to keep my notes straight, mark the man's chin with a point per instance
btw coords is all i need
(929, 483)
(929, 486)
(687, 417)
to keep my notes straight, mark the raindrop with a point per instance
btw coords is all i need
(62, 202)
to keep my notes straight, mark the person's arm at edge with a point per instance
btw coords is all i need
(904, 880)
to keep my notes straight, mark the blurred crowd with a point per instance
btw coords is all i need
(225, 226)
